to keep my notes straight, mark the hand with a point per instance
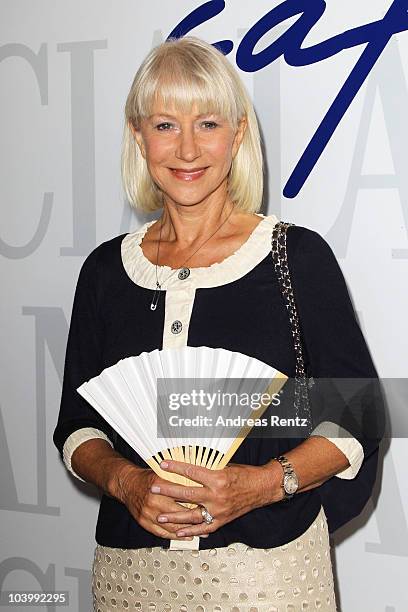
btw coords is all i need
(133, 486)
(227, 494)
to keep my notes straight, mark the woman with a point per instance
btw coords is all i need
(202, 275)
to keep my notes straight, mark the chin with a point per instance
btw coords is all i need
(185, 200)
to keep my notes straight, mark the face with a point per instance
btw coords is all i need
(188, 155)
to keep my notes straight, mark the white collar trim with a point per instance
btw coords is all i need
(143, 272)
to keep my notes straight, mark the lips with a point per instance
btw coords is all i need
(188, 175)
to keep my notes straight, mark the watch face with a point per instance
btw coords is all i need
(290, 484)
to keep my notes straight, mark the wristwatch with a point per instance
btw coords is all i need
(290, 482)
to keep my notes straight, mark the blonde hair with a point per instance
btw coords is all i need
(184, 71)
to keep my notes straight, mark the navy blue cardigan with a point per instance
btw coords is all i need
(111, 319)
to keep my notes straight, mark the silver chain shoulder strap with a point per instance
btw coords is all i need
(280, 260)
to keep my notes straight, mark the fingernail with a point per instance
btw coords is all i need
(162, 519)
(155, 489)
(181, 533)
(205, 535)
(164, 464)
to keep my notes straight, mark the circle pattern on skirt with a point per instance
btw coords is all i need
(295, 577)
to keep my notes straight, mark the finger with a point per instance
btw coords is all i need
(168, 530)
(163, 533)
(196, 530)
(197, 473)
(193, 517)
(180, 492)
(173, 536)
(201, 533)
(172, 528)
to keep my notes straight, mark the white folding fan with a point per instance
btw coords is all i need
(126, 396)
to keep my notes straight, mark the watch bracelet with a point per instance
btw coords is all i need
(287, 470)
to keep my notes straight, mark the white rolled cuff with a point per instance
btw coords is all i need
(75, 439)
(344, 441)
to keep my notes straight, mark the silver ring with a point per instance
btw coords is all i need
(206, 515)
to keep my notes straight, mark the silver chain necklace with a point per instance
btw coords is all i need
(156, 294)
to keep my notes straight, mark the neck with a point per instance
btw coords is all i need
(187, 225)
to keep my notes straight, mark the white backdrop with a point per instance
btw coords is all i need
(65, 70)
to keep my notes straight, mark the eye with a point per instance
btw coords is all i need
(159, 127)
(212, 124)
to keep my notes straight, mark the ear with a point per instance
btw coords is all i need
(239, 134)
(137, 134)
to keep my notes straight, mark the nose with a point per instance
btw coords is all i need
(187, 146)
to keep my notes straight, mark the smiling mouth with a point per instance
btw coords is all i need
(188, 175)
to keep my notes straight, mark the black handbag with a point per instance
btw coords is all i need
(342, 499)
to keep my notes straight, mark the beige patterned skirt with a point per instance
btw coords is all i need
(236, 578)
